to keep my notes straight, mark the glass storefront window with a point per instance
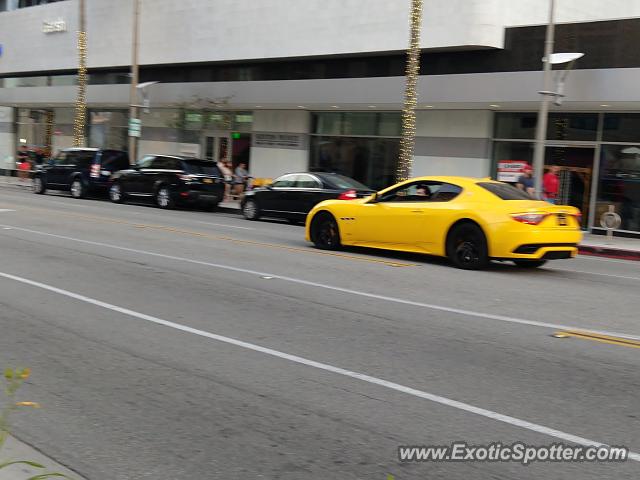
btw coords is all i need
(371, 161)
(572, 126)
(621, 127)
(511, 151)
(383, 124)
(619, 184)
(515, 125)
(359, 123)
(328, 123)
(108, 129)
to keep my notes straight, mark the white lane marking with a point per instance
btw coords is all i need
(321, 366)
(490, 316)
(3, 210)
(225, 225)
(596, 273)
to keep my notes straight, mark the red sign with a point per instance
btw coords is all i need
(510, 170)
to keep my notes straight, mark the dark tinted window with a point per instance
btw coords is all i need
(201, 167)
(166, 163)
(446, 192)
(114, 160)
(340, 181)
(505, 191)
(285, 181)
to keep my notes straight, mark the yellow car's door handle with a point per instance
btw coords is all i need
(416, 211)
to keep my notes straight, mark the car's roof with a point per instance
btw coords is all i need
(452, 179)
(80, 149)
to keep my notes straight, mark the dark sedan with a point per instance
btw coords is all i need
(293, 195)
(169, 180)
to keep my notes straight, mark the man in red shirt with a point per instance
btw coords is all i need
(551, 184)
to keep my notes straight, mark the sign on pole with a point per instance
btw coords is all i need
(135, 127)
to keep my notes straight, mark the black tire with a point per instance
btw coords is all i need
(529, 263)
(39, 186)
(116, 194)
(78, 188)
(163, 198)
(325, 233)
(251, 209)
(467, 247)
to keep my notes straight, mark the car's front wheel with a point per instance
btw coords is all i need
(251, 210)
(116, 195)
(78, 190)
(38, 185)
(529, 263)
(163, 198)
(325, 233)
(467, 247)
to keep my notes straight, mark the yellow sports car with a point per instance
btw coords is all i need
(469, 220)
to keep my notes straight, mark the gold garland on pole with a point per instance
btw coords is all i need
(407, 142)
(81, 101)
(48, 141)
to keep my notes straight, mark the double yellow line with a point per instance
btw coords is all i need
(597, 337)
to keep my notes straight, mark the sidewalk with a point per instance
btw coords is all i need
(14, 449)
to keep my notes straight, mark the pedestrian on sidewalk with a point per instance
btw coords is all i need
(24, 169)
(526, 182)
(551, 184)
(227, 173)
(240, 179)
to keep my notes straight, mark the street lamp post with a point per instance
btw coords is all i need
(133, 107)
(541, 126)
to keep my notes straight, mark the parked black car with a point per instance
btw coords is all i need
(169, 180)
(79, 170)
(293, 195)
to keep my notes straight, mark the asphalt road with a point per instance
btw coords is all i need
(194, 345)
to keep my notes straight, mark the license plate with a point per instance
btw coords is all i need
(207, 180)
(562, 220)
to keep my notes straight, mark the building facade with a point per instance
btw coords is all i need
(287, 85)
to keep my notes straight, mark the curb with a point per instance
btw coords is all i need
(609, 252)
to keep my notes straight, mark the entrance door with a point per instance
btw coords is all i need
(576, 167)
(216, 146)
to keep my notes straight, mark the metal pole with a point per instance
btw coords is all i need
(407, 142)
(541, 127)
(133, 109)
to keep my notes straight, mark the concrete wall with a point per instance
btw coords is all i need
(7, 138)
(453, 142)
(272, 162)
(212, 30)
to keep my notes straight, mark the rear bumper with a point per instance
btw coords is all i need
(528, 242)
(199, 196)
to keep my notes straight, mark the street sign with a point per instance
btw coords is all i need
(135, 127)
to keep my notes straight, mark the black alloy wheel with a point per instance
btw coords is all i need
(251, 210)
(325, 233)
(467, 247)
(116, 195)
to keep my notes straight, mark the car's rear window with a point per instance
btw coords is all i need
(114, 160)
(201, 167)
(340, 181)
(505, 191)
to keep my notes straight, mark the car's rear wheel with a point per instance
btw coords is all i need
(251, 210)
(116, 195)
(38, 185)
(529, 263)
(325, 233)
(163, 198)
(78, 190)
(467, 247)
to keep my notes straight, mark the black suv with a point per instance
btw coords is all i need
(79, 170)
(169, 180)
